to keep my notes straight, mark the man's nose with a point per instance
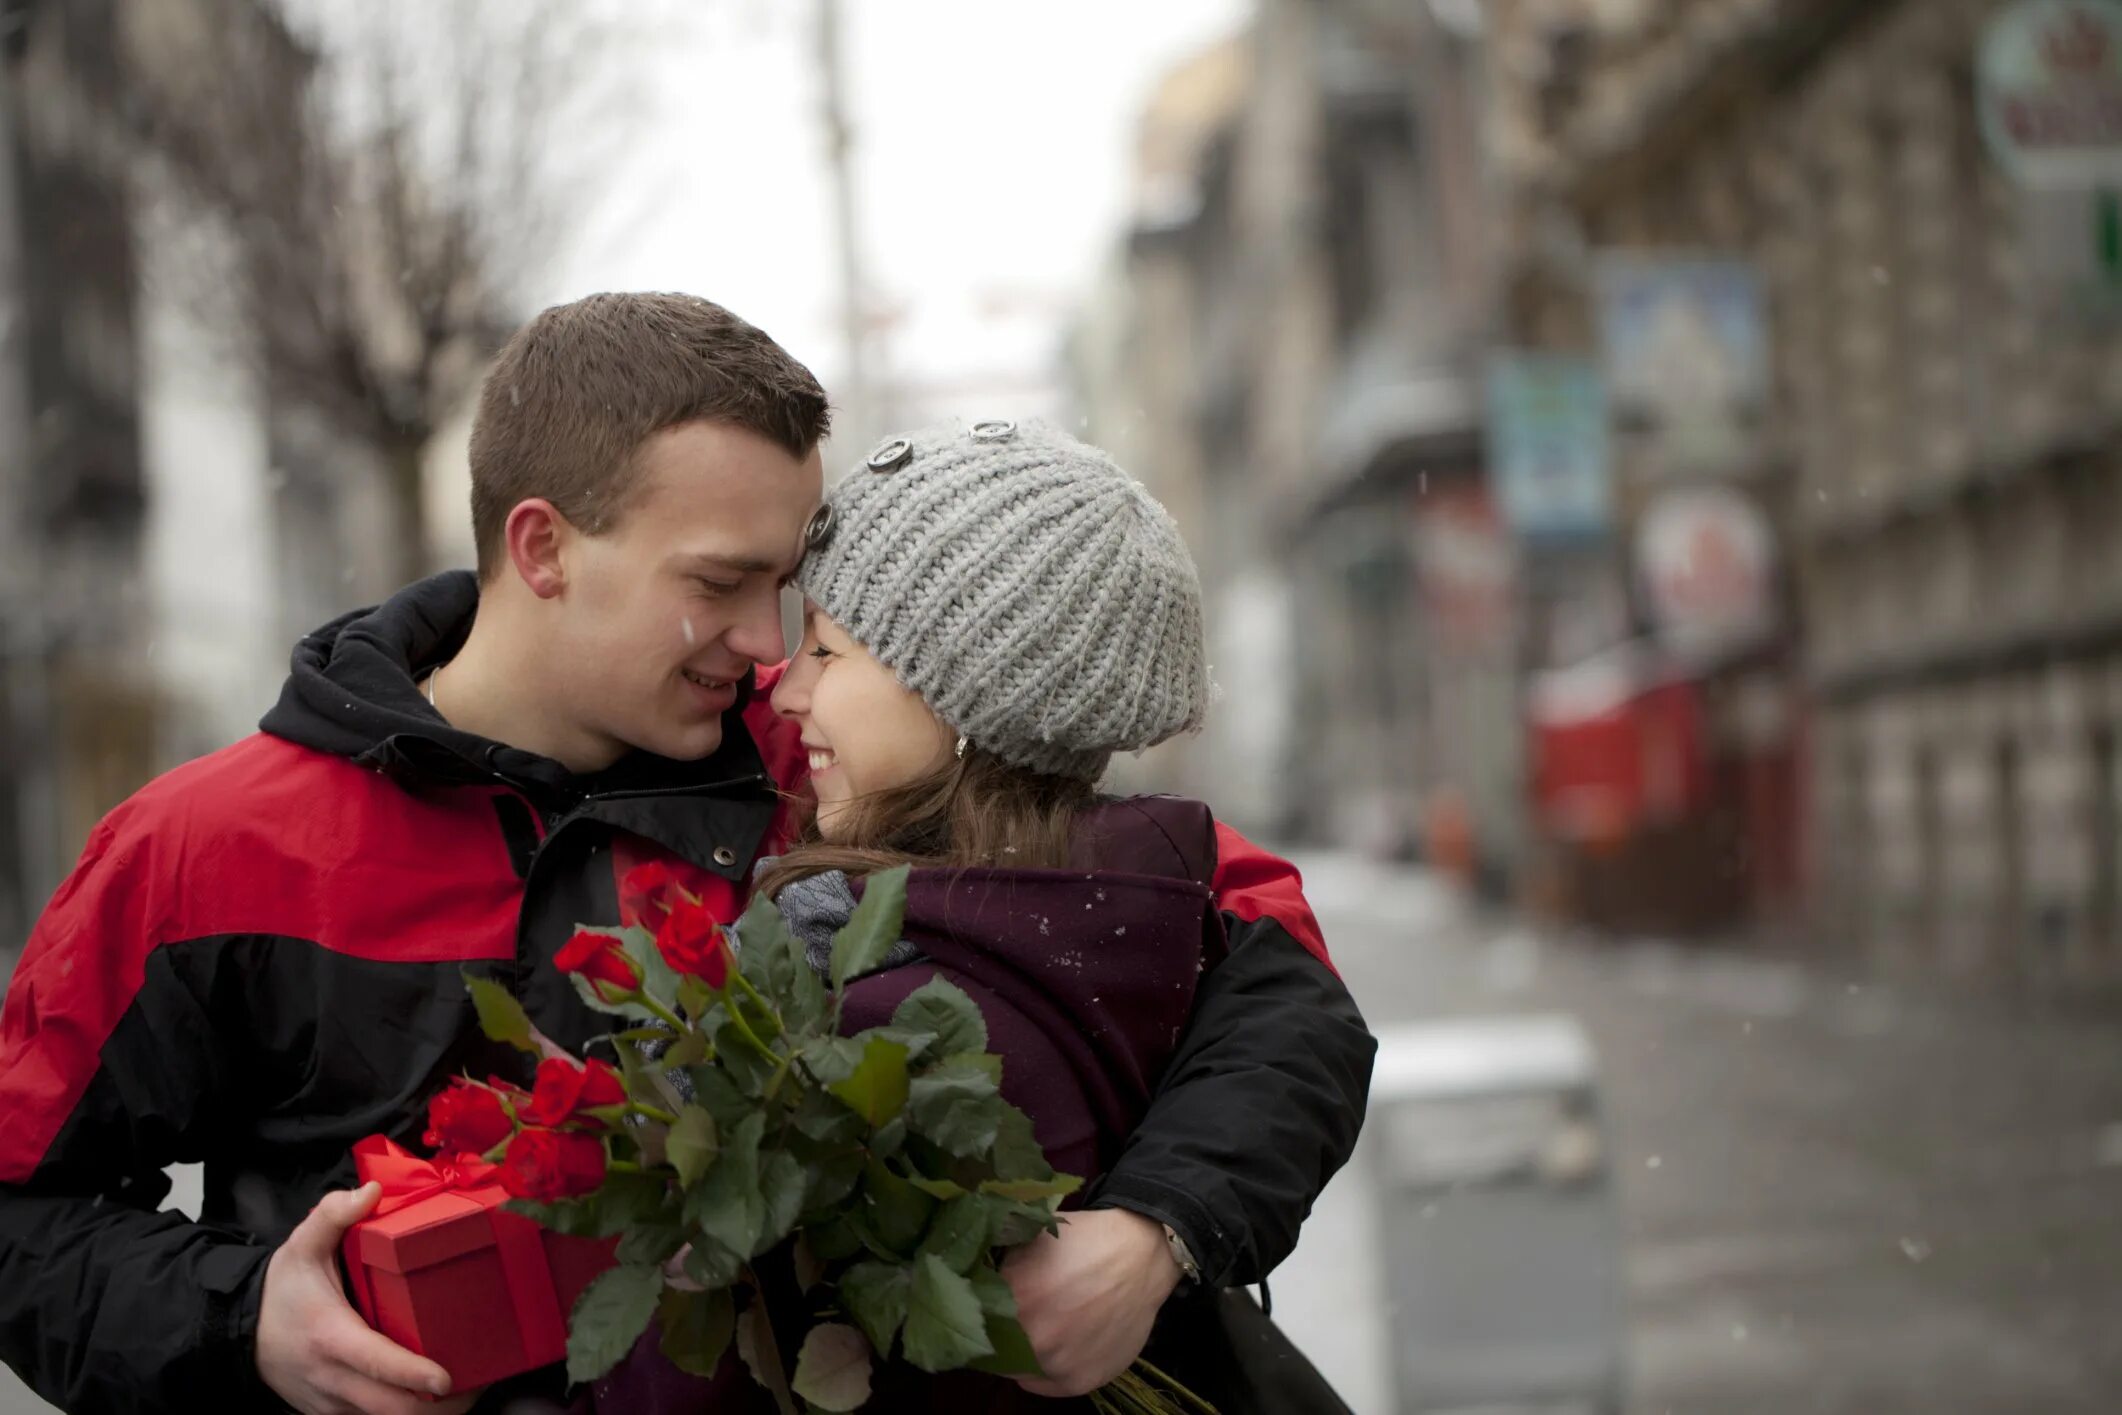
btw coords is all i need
(758, 634)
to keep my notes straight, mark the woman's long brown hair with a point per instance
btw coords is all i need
(974, 810)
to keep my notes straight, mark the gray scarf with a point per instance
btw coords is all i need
(816, 907)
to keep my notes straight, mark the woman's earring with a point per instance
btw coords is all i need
(961, 748)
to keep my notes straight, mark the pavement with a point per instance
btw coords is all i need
(1832, 1197)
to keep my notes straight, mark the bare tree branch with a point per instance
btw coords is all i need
(384, 180)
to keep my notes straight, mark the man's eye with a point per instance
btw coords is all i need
(717, 587)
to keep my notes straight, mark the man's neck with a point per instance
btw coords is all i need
(489, 690)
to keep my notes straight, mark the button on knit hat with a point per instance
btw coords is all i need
(1035, 595)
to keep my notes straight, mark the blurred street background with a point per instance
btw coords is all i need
(1655, 467)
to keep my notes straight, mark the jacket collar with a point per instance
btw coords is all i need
(353, 691)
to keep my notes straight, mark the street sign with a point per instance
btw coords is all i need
(1685, 356)
(1705, 557)
(1548, 445)
(2048, 87)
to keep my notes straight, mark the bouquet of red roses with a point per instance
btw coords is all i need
(734, 1122)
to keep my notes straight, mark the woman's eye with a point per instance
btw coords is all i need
(821, 652)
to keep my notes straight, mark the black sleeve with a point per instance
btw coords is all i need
(108, 1073)
(1257, 1110)
(109, 1308)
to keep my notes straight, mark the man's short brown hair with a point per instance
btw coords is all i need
(575, 393)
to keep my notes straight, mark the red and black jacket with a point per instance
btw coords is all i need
(256, 963)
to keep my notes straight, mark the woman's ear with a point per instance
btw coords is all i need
(537, 535)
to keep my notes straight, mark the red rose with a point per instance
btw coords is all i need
(467, 1118)
(545, 1165)
(691, 942)
(599, 958)
(647, 894)
(565, 1090)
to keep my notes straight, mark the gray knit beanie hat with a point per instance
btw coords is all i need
(1035, 595)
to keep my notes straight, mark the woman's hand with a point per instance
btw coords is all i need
(1088, 1296)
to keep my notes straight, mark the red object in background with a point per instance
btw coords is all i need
(443, 1270)
(1613, 755)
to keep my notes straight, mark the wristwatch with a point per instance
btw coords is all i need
(1181, 1254)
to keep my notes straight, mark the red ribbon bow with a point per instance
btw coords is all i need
(407, 1178)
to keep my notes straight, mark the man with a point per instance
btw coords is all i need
(257, 960)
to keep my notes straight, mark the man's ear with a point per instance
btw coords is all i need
(537, 537)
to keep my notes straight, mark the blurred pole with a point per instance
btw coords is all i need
(854, 395)
(28, 834)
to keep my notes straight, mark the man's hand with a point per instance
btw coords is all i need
(1088, 1297)
(313, 1348)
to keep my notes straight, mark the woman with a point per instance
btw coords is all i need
(991, 613)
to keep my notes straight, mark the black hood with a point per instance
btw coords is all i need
(353, 690)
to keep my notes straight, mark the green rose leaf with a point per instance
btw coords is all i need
(945, 1327)
(995, 1297)
(1013, 1350)
(781, 1185)
(958, 1233)
(631, 1011)
(501, 1017)
(736, 1057)
(875, 1295)
(688, 1050)
(653, 1243)
(889, 1138)
(873, 928)
(820, 1117)
(760, 928)
(897, 1213)
(1033, 1191)
(691, 1146)
(727, 1205)
(877, 1088)
(755, 1343)
(696, 1329)
(658, 979)
(710, 1264)
(714, 1091)
(625, 1201)
(1017, 1151)
(832, 1059)
(694, 997)
(609, 1318)
(833, 1239)
(942, 1008)
(577, 1218)
(936, 1188)
(832, 1368)
(1016, 1224)
(956, 1106)
(827, 1181)
(985, 1062)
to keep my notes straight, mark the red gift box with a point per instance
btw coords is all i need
(442, 1269)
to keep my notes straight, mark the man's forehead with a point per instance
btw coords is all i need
(740, 562)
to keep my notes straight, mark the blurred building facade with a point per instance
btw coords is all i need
(171, 528)
(1940, 460)
(1287, 348)
(1905, 746)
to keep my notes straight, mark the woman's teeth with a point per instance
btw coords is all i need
(819, 761)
